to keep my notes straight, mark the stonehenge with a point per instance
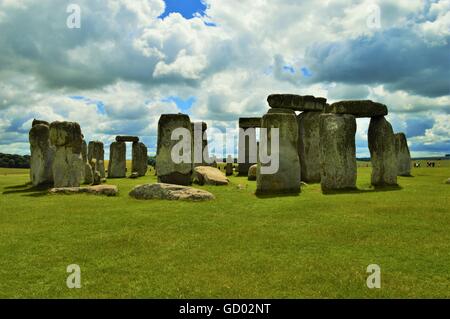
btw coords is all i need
(248, 151)
(169, 171)
(68, 163)
(139, 161)
(403, 155)
(287, 178)
(97, 152)
(42, 153)
(382, 152)
(337, 152)
(117, 167)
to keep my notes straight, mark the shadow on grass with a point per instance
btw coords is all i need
(34, 191)
(363, 191)
(266, 196)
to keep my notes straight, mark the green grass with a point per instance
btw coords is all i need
(237, 246)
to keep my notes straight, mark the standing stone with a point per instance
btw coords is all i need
(246, 141)
(68, 162)
(382, 152)
(252, 172)
(201, 127)
(97, 152)
(86, 172)
(403, 155)
(229, 166)
(309, 146)
(42, 154)
(117, 160)
(337, 152)
(287, 178)
(139, 161)
(169, 171)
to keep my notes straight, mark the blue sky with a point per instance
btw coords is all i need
(187, 8)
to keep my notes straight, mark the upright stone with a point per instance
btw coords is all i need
(403, 155)
(139, 162)
(97, 152)
(229, 166)
(42, 154)
(247, 143)
(382, 152)
(309, 146)
(337, 152)
(169, 171)
(86, 171)
(199, 132)
(287, 178)
(68, 162)
(117, 167)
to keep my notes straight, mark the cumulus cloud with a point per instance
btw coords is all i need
(120, 70)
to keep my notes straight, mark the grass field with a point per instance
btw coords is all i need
(237, 246)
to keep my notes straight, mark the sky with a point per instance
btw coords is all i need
(132, 60)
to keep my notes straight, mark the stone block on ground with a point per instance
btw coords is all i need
(170, 192)
(209, 175)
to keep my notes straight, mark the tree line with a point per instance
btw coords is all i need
(14, 161)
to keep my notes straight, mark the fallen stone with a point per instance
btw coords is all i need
(403, 155)
(105, 190)
(382, 152)
(297, 102)
(337, 152)
(134, 175)
(133, 139)
(209, 175)
(358, 108)
(252, 172)
(170, 192)
(447, 181)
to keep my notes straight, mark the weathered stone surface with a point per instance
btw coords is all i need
(309, 146)
(37, 122)
(97, 178)
(117, 167)
(247, 144)
(337, 152)
(199, 133)
(297, 102)
(126, 138)
(229, 166)
(287, 178)
(247, 122)
(88, 173)
(68, 163)
(358, 108)
(134, 175)
(139, 162)
(170, 192)
(97, 152)
(42, 155)
(382, 152)
(252, 172)
(105, 190)
(209, 175)
(169, 171)
(84, 151)
(403, 155)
